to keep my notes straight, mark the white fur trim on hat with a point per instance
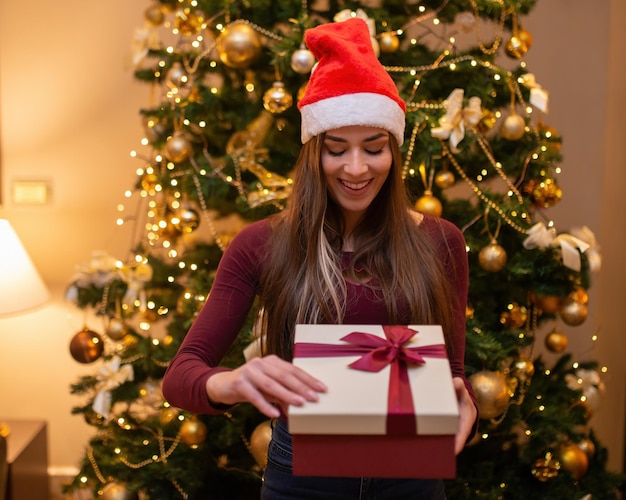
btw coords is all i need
(364, 108)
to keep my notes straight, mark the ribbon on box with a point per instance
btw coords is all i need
(376, 353)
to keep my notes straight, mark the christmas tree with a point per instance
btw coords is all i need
(221, 138)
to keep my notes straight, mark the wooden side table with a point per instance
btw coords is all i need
(27, 454)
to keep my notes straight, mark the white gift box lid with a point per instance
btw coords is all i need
(356, 401)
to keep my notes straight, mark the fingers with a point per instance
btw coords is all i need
(265, 382)
(467, 414)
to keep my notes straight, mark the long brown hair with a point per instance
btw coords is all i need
(303, 281)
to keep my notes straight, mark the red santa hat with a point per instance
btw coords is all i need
(348, 86)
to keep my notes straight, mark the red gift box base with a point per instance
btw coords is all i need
(425, 457)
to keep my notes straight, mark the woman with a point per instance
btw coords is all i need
(347, 249)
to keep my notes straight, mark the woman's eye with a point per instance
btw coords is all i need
(374, 153)
(335, 153)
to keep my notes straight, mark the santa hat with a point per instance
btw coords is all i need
(348, 86)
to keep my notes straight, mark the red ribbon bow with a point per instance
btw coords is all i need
(376, 353)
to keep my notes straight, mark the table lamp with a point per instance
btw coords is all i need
(21, 286)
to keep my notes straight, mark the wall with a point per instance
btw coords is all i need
(69, 115)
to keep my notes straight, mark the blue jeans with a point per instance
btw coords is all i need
(280, 484)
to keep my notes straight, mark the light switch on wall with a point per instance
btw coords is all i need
(30, 192)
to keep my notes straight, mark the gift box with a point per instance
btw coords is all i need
(390, 409)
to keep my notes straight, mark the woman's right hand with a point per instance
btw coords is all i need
(264, 382)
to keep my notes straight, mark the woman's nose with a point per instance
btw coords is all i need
(356, 164)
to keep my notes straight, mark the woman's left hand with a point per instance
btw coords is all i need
(467, 414)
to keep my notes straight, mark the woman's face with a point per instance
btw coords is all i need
(356, 161)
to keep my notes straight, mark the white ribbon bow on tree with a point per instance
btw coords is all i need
(538, 96)
(539, 236)
(453, 124)
(136, 277)
(110, 376)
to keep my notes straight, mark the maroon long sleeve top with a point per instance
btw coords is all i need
(236, 285)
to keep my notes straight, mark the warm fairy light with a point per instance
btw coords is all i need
(145, 141)
(171, 279)
(604, 369)
(83, 479)
(119, 222)
(541, 408)
(528, 432)
(128, 193)
(194, 267)
(170, 50)
(413, 41)
(155, 342)
(452, 67)
(219, 26)
(250, 87)
(575, 364)
(529, 110)
(161, 64)
(594, 338)
(497, 77)
(436, 21)
(120, 207)
(133, 154)
(144, 325)
(201, 124)
(473, 63)
(172, 253)
(547, 373)
(484, 436)
(118, 450)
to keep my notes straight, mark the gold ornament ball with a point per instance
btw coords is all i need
(546, 468)
(573, 313)
(93, 418)
(549, 304)
(302, 61)
(524, 369)
(444, 179)
(513, 127)
(177, 76)
(429, 204)
(259, 441)
(177, 148)
(487, 121)
(186, 219)
(515, 48)
(389, 42)
(556, 341)
(588, 446)
(168, 415)
(154, 127)
(580, 295)
(154, 15)
(492, 257)
(277, 99)
(86, 346)
(515, 316)
(574, 460)
(526, 37)
(492, 393)
(189, 22)
(116, 329)
(238, 46)
(116, 490)
(546, 193)
(193, 432)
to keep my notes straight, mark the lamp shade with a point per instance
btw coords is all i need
(21, 286)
